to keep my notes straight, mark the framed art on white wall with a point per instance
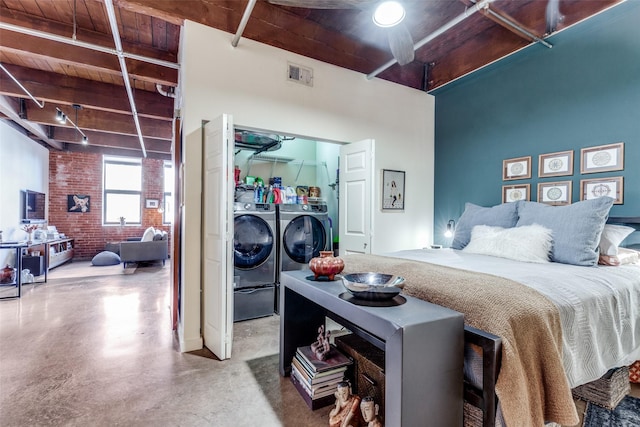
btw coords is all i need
(392, 190)
(516, 168)
(555, 193)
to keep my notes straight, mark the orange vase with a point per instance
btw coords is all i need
(326, 265)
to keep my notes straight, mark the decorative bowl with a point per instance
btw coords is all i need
(373, 286)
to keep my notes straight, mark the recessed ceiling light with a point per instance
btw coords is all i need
(388, 14)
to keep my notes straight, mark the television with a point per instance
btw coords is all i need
(33, 206)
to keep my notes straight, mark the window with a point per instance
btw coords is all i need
(122, 190)
(169, 182)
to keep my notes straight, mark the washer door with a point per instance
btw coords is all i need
(304, 238)
(253, 241)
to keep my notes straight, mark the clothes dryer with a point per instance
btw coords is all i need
(255, 242)
(304, 232)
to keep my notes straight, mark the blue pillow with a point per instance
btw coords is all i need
(105, 258)
(504, 215)
(576, 228)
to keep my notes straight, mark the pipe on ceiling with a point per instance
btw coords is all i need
(163, 92)
(38, 103)
(91, 46)
(446, 27)
(7, 109)
(517, 27)
(243, 22)
(111, 13)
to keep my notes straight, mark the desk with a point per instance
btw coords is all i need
(423, 344)
(18, 247)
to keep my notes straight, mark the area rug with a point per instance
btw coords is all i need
(626, 414)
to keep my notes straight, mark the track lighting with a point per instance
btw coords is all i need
(61, 117)
(388, 14)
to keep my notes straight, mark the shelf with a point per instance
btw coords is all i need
(60, 251)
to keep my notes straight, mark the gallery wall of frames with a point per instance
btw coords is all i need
(556, 170)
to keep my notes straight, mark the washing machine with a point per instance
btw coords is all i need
(255, 242)
(304, 232)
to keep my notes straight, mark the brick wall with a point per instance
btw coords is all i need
(81, 173)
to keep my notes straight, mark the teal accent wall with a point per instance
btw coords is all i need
(583, 92)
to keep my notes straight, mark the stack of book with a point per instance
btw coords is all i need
(317, 380)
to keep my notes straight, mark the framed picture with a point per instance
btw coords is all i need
(392, 190)
(78, 203)
(518, 168)
(611, 187)
(555, 164)
(513, 193)
(602, 158)
(152, 203)
(555, 193)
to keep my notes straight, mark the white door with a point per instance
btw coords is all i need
(356, 197)
(217, 242)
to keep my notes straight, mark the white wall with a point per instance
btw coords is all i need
(24, 164)
(249, 82)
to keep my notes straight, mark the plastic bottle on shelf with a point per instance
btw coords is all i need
(269, 195)
(290, 195)
(257, 194)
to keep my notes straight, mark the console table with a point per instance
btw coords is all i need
(423, 344)
(54, 253)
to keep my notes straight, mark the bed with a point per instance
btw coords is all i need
(546, 327)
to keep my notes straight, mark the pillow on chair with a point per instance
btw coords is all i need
(148, 235)
(105, 258)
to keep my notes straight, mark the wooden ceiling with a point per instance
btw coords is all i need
(63, 52)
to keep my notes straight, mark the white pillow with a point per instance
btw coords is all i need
(612, 236)
(148, 235)
(529, 243)
(628, 256)
(625, 256)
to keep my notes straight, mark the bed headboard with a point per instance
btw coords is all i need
(626, 220)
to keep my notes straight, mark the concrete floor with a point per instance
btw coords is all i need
(93, 346)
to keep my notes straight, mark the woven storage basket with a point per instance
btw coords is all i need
(369, 363)
(472, 416)
(607, 391)
(634, 372)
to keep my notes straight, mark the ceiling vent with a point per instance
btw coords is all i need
(300, 74)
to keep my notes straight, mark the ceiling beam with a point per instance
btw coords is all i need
(166, 14)
(101, 121)
(272, 25)
(23, 20)
(9, 108)
(111, 151)
(32, 47)
(67, 90)
(100, 139)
